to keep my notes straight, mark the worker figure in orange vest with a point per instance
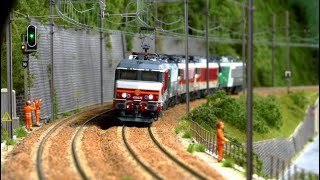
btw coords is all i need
(221, 140)
(37, 104)
(28, 109)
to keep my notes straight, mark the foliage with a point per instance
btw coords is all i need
(299, 99)
(232, 111)
(4, 134)
(196, 148)
(65, 114)
(20, 132)
(187, 135)
(129, 42)
(304, 175)
(227, 163)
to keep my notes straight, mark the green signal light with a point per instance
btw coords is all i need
(31, 36)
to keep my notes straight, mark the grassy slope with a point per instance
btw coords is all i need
(292, 116)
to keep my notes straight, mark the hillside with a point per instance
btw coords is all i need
(225, 21)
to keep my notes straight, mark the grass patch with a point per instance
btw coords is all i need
(177, 130)
(227, 163)
(10, 141)
(65, 114)
(20, 132)
(196, 148)
(187, 135)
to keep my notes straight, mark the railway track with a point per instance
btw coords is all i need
(62, 124)
(154, 171)
(75, 156)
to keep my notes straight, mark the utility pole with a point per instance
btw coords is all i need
(287, 73)
(51, 57)
(243, 49)
(207, 43)
(101, 5)
(155, 25)
(9, 73)
(273, 45)
(249, 90)
(186, 51)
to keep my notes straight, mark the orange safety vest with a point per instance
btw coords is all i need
(28, 109)
(220, 137)
(37, 105)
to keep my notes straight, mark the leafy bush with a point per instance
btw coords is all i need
(20, 132)
(187, 135)
(4, 134)
(227, 163)
(196, 148)
(299, 99)
(219, 106)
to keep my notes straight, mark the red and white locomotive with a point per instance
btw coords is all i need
(147, 84)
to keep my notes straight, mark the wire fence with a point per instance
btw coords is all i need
(233, 151)
(279, 168)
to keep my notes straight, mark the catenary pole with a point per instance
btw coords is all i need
(249, 90)
(186, 51)
(207, 43)
(9, 73)
(101, 5)
(273, 45)
(243, 48)
(287, 52)
(51, 57)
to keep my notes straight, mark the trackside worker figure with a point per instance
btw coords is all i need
(221, 140)
(28, 109)
(37, 104)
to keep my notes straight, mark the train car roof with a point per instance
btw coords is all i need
(141, 64)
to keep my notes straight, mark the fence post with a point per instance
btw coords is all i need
(289, 173)
(271, 169)
(283, 167)
(277, 170)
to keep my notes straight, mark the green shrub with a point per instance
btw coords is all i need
(190, 148)
(220, 106)
(4, 134)
(177, 130)
(227, 163)
(20, 132)
(196, 148)
(187, 135)
(299, 99)
(10, 141)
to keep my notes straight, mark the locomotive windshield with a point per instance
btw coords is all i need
(149, 76)
(139, 75)
(128, 74)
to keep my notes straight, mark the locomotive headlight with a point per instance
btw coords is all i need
(124, 95)
(150, 96)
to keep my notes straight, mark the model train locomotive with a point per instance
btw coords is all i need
(147, 84)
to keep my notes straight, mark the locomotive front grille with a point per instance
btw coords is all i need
(120, 106)
(152, 107)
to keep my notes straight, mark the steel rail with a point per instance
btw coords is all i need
(181, 164)
(40, 148)
(74, 146)
(134, 155)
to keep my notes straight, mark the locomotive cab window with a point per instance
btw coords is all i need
(150, 76)
(127, 74)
